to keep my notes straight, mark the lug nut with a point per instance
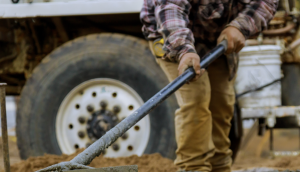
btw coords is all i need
(130, 148)
(103, 104)
(115, 147)
(90, 108)
(116, 109)
(124, 136)
(81, 134)
(81, 120)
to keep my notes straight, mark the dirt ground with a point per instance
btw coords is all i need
(257, 152)
(254, 154)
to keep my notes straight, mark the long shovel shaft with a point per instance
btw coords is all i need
(112, 135)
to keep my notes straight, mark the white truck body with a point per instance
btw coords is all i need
(39, 8)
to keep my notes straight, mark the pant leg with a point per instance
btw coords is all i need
(193, 122)
(221, 107)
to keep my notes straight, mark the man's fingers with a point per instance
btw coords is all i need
(189, 60)
(196, 66)
(182, 68)
(202, 71)
(220, 39)
(235, 39)
(240, 47)
(230, 47)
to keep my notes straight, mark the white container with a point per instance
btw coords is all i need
(259, 65)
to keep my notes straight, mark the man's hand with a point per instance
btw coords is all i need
(188, 60)
(235, 38)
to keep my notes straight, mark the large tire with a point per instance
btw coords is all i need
(119, 57)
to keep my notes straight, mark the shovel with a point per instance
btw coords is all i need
(86, 157)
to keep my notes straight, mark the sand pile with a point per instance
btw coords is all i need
(146, 163)
(291, 163)
(279, 163)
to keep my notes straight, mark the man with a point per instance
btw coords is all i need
(190, 28)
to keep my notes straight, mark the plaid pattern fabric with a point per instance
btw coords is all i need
(195, 25)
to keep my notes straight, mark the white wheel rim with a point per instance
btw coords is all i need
(68, 125)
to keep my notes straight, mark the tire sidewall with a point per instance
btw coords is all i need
(84, 60)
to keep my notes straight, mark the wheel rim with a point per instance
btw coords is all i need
(73, 114)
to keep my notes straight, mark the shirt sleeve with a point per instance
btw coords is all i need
(148, 20)
(172, 17)
(255, 17)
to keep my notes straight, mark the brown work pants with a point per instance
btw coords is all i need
(202, 121)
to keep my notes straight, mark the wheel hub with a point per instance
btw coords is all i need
(100, 122)
(91, 109)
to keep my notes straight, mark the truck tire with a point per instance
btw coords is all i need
(65, 90)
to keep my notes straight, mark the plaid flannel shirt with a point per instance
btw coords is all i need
(195, 25)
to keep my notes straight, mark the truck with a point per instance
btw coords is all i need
(82, 66)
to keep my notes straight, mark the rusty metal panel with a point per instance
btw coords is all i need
(4, 128)
(130, 168)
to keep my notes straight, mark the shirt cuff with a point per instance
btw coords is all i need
(243, 26)
(188, 49)
(176, 54)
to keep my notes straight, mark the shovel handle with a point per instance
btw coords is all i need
(112, 135)
(213, 54)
